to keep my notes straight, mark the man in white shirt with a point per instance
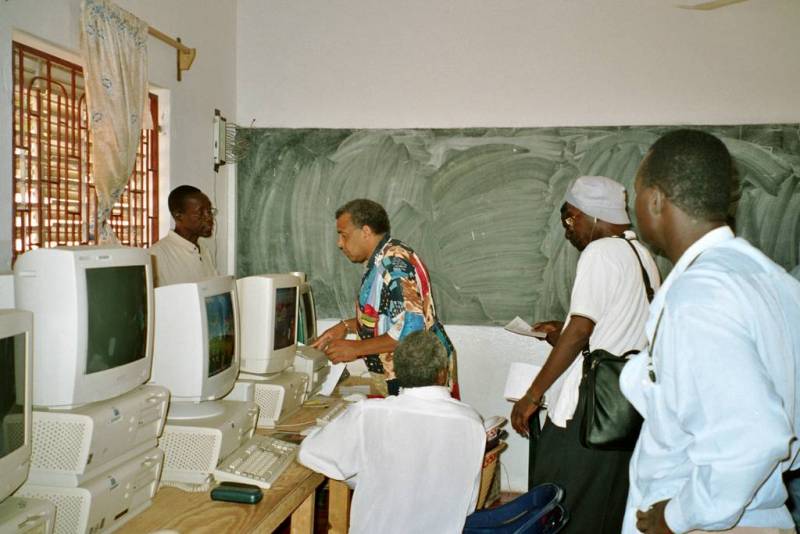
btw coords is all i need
(608, 310)
(414, 459)
(180, 256)
(718, 386)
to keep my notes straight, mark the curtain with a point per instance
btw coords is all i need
(114, 49)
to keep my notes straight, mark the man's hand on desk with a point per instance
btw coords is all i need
(337, 331)
(341, 350)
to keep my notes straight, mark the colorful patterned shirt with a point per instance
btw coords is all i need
(395, 299)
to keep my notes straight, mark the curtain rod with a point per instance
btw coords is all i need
(186, 55)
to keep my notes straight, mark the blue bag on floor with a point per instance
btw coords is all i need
(536, 512)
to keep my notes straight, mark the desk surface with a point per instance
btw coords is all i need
(196, 513)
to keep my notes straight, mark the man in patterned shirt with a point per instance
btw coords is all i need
(395, 298)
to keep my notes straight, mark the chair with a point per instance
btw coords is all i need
(489, 490)
(537, 512)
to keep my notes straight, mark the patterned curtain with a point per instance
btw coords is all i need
(114, 48)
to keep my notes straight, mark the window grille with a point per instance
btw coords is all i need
(54, 197)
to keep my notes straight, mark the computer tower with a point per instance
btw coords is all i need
(193, 447)
(314, 364)
(71, 446)
(276, 395)
(19, 515)
(106, 502)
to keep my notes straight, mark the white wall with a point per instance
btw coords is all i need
(455, 63)
(458, 63)
(210, 27)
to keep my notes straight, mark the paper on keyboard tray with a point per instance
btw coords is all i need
(519, 326)
(520, 377)
(332, 379)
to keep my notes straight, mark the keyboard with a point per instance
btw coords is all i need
(336, 411)
(260, 461)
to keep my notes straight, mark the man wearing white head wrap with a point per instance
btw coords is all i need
(608, 310)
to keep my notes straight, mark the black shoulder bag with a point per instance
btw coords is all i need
(609, 421)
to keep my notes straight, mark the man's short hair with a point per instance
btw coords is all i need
(419, 358)
(177, 197)
(694, 170)
(364, 211)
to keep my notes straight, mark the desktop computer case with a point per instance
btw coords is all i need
(315, 365)
(71, 446)
(105, 502)
(277, 396)
(193, 447)
(26, 516)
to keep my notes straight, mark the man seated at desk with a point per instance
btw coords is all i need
(415, 459)
(180, 256)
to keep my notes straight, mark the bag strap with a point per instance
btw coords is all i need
(648, 289)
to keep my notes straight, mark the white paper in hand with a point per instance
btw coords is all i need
(332, 379)
(519, 326)
(520, 377)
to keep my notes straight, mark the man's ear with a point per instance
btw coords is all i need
(367, 231)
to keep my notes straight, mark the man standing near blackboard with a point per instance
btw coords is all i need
(394, 300)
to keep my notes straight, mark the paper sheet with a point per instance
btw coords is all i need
(520, 377)
(519, 326)
(332, 379)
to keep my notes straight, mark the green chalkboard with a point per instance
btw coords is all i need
(480, 205)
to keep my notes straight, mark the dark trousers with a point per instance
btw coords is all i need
(595, 482)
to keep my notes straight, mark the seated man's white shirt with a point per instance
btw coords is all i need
(720, 421)
(414, 459)
(609, 290)
(178, 261)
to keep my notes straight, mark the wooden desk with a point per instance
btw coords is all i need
(291, 495)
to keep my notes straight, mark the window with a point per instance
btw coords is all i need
(54, 197)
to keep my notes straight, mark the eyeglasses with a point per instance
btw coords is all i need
(212, 212)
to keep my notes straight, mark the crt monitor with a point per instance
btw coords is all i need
(307, 327)
(15, 399)
(195, 351)
(268, 304)
(93, 317)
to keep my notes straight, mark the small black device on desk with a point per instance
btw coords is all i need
(237, 492)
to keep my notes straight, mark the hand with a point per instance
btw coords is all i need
(337, 331)
(653, 521)
(341, 350)
(523, 409)
(551, 328)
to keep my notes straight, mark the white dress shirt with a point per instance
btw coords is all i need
(609, 290)
(178, 261)
(414, 461)
(719, 420)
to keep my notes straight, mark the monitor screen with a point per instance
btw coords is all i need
(221, 332)
(16, 327)
(268, 304)
(94, 321)
(285, 317)
(12, 393)
(117, 316)
(196, 346)
(307, 329)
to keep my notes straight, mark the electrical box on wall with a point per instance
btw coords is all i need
(220, 139)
